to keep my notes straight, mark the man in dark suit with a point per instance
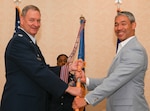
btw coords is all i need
(29, 80)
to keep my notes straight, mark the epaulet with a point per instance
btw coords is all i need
(20, 35)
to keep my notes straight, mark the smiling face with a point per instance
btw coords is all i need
(31, 22)
(123, 27)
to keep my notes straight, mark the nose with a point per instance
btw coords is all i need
(36, 23)
(118, 27)
(63, 62)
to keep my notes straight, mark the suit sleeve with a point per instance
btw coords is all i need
(94, 83)
(56, 70)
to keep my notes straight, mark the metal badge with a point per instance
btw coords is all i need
(38, 57)
(20, 35)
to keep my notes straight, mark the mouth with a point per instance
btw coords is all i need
(35, 29)
(120, 34)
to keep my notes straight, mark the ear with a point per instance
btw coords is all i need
(133, 25)
(21, 20)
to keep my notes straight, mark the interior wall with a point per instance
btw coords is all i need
(60, 25)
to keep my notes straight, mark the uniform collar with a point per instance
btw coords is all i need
(31, 37)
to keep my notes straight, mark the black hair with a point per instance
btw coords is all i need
(61, 55)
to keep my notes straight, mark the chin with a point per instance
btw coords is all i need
(33, 34)
(121, 38)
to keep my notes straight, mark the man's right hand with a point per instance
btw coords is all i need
(75, 91)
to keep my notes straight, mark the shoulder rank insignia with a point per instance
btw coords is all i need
(20, 35)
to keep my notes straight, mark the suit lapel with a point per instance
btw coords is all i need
(39, 54)
(129, 44)
(32, 45)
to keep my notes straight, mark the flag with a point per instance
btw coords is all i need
(81, 45)
(79, 42)
(81, 55)
(17, 21)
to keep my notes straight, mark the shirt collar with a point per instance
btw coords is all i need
(123, 43)
(31, 37)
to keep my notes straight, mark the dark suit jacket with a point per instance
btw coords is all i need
(29, 79)
(64, 103)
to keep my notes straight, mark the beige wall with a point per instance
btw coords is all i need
(60, 25)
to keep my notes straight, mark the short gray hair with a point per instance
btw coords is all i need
(28, 7)
(127, 14)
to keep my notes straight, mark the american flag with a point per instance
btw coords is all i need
(17, 21)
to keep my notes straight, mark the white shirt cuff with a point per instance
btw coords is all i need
(87, 81)
(86, 100)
